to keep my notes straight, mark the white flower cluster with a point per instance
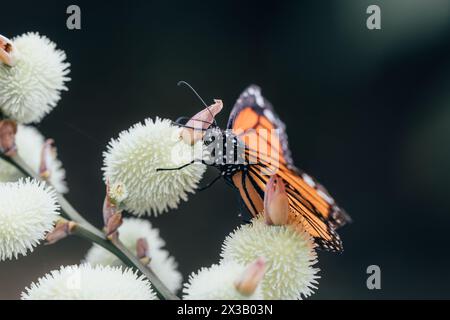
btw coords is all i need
(90, 283)
(28, 210)
(29, 144)
(133, 160)
(31, 79)
(218, 283)
(32, 87)
(289, 254)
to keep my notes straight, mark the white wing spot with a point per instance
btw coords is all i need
(325, 196)
(309, 180)
(269, 115)
(259, 100)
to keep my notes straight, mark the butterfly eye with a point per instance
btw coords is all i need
(6, 50)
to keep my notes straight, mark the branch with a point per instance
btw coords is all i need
(117, 248)
(86, 230)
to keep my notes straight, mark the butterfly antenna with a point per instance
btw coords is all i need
(180, 83)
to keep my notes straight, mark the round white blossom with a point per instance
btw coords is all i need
(90, 283)
(132, 229)
(29, 143)
(289, 254)
(28, 210)
(133, 158)
(218, 283)
(31, 88)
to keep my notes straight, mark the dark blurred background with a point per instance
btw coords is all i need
(367, 113)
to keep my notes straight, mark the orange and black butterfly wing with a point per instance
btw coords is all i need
(307, 210)
(251, 113)
(310, 204)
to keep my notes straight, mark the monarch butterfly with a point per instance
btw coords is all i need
(248, 170)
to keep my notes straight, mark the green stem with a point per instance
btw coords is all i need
(117, 248)
(87, 231)
(156, 282)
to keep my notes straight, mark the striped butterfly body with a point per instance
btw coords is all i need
(253, 148)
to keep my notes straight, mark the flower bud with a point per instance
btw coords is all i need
(276, 202)
(112, 216)
(47, 155)
(6, 50)
(114, 222)
(62, 229)
(196, 126)
(142, 251)
(141, 248)
(117, 193)
(8, 130)
(251, 277)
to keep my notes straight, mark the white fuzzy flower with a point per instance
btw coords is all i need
(28, 210)
(29, 144)
(133, 160)
(289, 255)
(218, 282)
(31, 88)
(90, 283)
(133, 229)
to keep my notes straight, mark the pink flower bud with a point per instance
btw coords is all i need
(251, 277)
(112, 216)
(46, 155)
(142, 248)
(8, 130)
(197, 125)
(62, 229)
(276, 202)
(6, 50)
(114, 222)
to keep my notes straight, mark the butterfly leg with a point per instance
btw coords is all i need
(177, 168)
(242, 210)
(210, 183)
(243, 213)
